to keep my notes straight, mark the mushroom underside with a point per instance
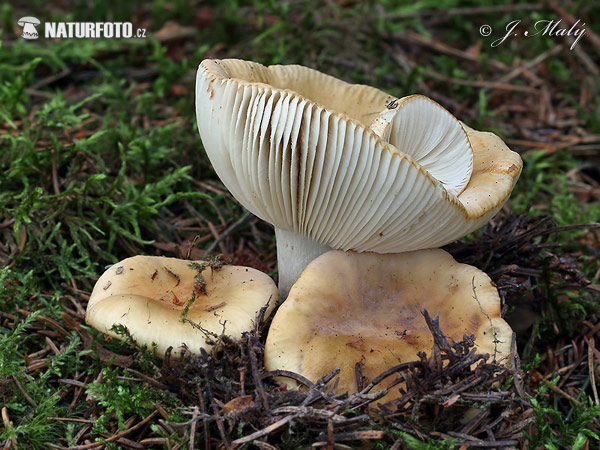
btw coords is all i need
(294, 146)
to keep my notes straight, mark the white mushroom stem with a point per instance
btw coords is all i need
(294, 252)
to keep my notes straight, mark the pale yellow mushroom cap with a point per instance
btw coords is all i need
(148, 295)
(349, 308)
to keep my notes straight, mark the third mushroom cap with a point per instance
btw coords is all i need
(161, 301)
(344, 166)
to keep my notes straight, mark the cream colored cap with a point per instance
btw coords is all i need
(349, 308)
(148, 295)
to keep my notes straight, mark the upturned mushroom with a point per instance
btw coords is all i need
(348, 308)
(170, 302)
(346, 166)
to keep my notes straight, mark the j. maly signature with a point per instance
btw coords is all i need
(544, 28)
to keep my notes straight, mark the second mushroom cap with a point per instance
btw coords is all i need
(348, 308)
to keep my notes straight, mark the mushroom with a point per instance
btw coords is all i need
(344, 166)
(165, 301)
(348, 308)
(28, 24)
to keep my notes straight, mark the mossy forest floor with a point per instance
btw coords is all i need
(100, 159)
